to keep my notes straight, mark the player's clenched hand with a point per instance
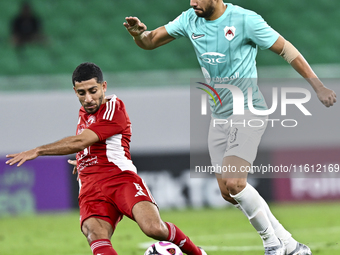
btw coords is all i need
(326, 96)
(73, 163)
(21, 157)
(134, 26)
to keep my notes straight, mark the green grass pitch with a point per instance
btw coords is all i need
(219, 231)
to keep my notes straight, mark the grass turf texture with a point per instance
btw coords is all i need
(219, 231)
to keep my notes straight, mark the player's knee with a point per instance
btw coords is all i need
(95, 231)
(235, 185)
(93, 234)
(226, 196)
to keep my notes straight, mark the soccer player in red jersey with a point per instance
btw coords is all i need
(109, 185)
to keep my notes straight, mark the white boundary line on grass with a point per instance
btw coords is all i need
(231, 236)
(313, 246)
(145, 245)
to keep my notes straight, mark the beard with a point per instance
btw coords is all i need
(206, 13)
(95, 109)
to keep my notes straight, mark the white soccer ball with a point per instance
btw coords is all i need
(163, 248)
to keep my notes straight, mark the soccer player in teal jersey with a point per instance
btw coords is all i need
(226, 39)
(241, 31)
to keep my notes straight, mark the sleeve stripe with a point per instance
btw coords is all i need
(113, 107)
(110, 109)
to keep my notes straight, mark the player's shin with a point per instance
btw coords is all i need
(280, 231)
(250, 202)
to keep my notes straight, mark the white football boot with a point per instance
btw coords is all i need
(301, 249)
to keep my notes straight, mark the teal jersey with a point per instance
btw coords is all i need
(226, 49)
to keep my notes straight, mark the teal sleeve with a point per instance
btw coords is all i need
(259, 32)
(176, 28)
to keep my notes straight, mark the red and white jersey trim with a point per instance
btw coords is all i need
(115, 153)
(110, 108)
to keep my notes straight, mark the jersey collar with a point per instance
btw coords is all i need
(222, 17)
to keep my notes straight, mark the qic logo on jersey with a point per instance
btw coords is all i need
(213, 58)
(229, 33)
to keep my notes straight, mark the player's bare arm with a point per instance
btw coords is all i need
(147, 40)
(298, 62)
(68, 145)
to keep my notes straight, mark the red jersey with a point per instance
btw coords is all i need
(111, 154)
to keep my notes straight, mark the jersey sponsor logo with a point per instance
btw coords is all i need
(140, 191)
(84, 159)
(229, 33)
(86, 162)
(226, 79)
(213, 58)
(194, 37)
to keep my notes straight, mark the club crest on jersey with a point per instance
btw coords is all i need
(229, 33)
(81, 129)
(91, 120)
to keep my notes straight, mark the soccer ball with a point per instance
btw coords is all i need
(163, 248)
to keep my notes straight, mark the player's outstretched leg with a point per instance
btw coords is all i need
(147, 216)
(234, 188)
(292, 246)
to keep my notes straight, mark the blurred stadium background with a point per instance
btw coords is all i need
(38, 104)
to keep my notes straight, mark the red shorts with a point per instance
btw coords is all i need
(111, 198)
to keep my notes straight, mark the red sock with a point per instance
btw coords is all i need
(177, 237)
(103, 247)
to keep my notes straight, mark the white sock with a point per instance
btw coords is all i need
(280, 231)
(250, 202)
